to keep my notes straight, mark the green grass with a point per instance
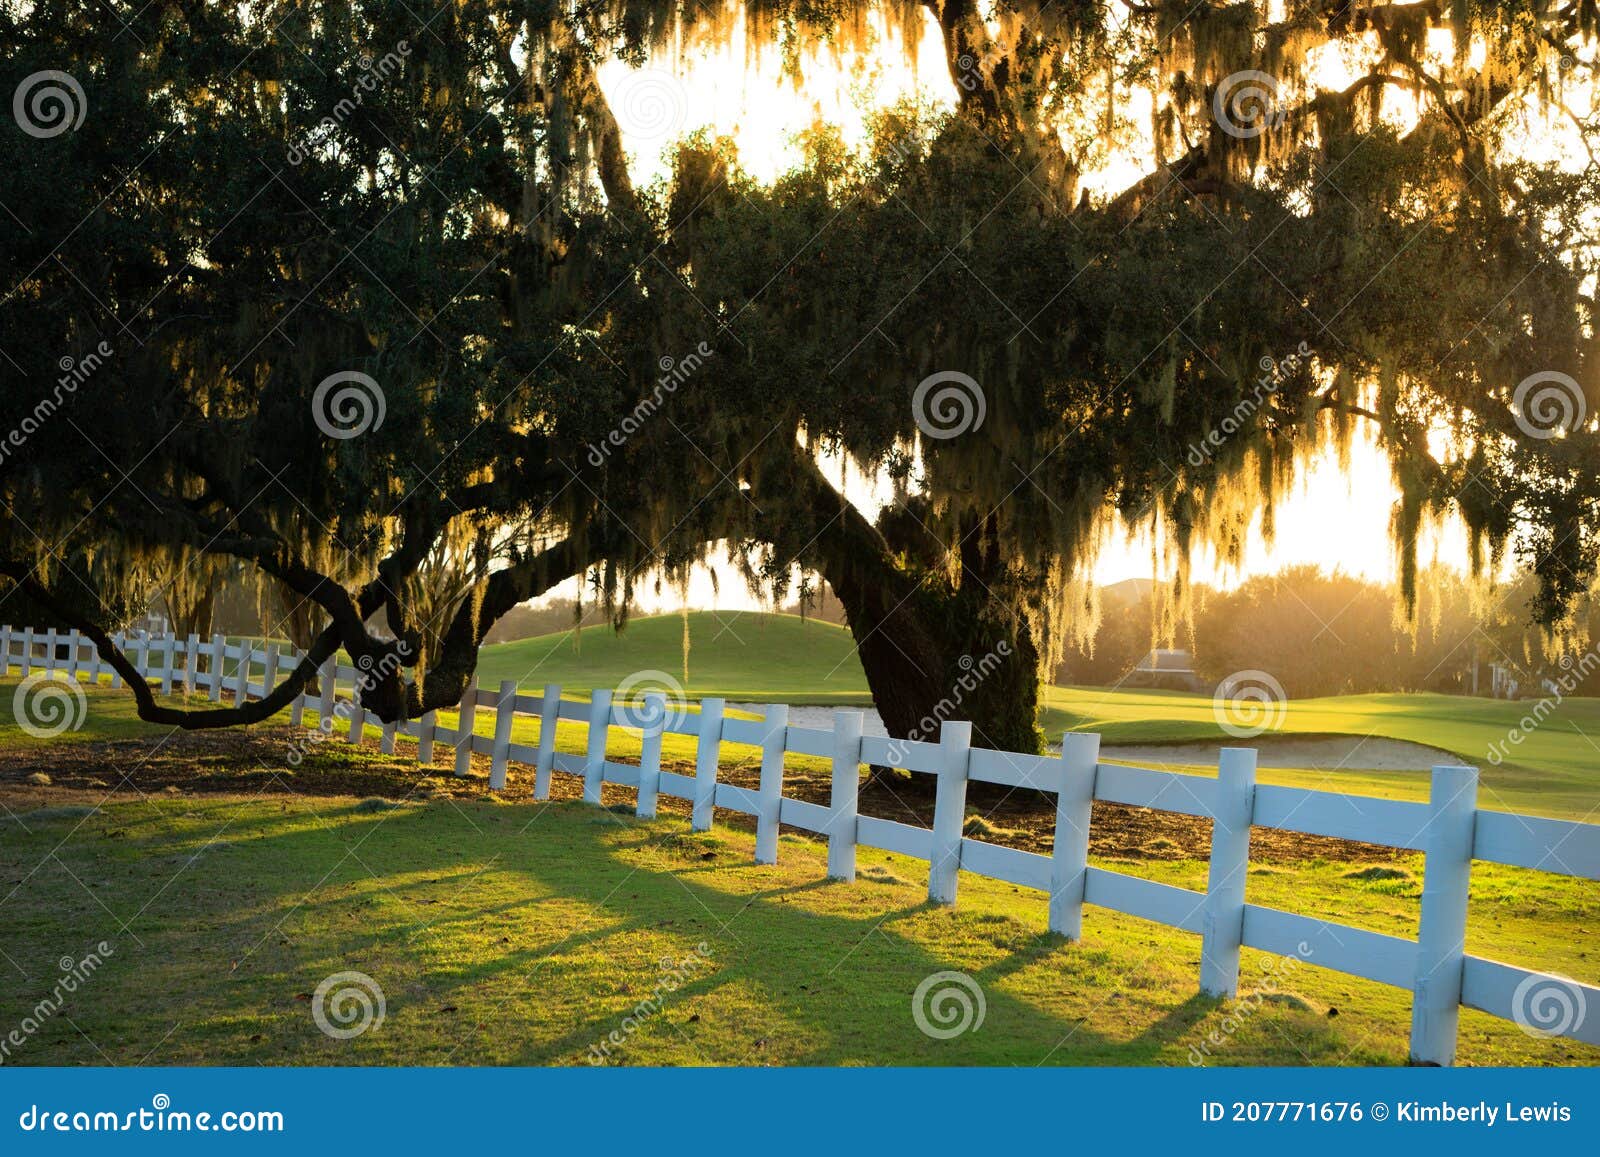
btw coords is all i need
(514, 932)
(742, 656)
(108, 714)
(1555, 771)
(755, 657)
(527, 933)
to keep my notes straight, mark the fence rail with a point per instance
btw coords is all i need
(1450, 830)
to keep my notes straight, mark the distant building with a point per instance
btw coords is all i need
(1503, 681)
(151, 623)
(1166, 670)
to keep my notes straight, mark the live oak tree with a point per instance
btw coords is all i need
(327, 281)
(1025, 352)
(1299, 261)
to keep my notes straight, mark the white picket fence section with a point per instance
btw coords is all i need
(1449, 829)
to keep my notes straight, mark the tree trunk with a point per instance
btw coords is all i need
(933, 653)
(934, 645)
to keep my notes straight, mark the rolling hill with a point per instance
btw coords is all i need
(741, 655)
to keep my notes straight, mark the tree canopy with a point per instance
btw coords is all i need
(346, 295)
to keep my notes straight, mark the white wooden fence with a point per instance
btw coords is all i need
(1449, 829)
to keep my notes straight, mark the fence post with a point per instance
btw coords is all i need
(466, 724)
(386, 739)
(120, 641)
(1069, 862)
(549, 716)
(594, 767)
(655, 713)
(5, 650)
(219, 661)
(358, 713)
(72, 654)
(169, 647)
(94, 664)
(949, 810)
(328, 677)
(1442, 928)
(241, 675)
(269, 675)
(426, 726)
(707, 753)
(27, 651)
(50, 651)
(1223, 926)
(770, 795)
(297, 708)
(505, 713)
(841, 823)
(191, 665)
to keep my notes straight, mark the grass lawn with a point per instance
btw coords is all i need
(502, 930)
(738, 655)
(753, 657)
(1556, 770)
(527, 933)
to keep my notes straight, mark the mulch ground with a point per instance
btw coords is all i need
(247, 762)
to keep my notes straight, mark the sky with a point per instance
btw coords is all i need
(1335, 519)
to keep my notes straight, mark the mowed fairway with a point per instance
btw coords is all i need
(736, 655)
(752, 657)
(1554, 771)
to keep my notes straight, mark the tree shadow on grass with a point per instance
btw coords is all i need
(798, 970)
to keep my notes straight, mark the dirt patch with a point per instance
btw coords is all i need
(251, 762)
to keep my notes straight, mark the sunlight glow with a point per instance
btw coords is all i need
(1337, 519)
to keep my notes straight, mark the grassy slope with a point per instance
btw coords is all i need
(525, 933)
(1554, 771)
(756, 657)
(745, 656)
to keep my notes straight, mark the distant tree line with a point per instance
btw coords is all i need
(1321, 633)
